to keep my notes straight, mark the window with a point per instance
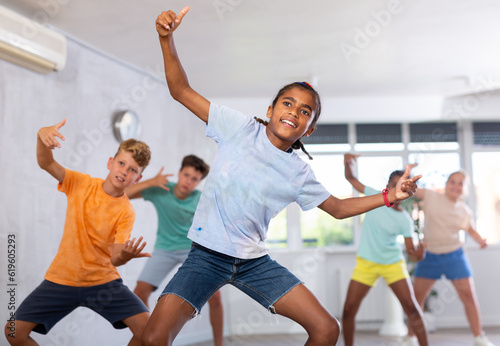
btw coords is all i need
(434, 146)
(374, 171)
(317, 227)
(439, 148)
(378, 137)
(486, 134)
(433, 136)
(277, 232)
(434, 167)
(486, 172)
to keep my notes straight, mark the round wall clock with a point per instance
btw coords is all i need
(126, 125)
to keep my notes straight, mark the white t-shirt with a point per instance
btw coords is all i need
(250, 182)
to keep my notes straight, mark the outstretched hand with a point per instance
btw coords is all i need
(483, 243)
(48, 135)
(406, 187)
(161, 180)
(167, 22)
(132, 249)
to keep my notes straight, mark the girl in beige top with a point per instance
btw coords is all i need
(445, 215)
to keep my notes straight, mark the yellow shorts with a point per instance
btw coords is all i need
(367, 272)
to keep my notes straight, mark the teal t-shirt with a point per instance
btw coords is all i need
(175, 216)
(379, 231)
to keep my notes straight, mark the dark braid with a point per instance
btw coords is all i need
(299, 145)
(259, 120)
(317, 110)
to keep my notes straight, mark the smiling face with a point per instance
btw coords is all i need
(291, 117)
(123, 172)
(454, 187)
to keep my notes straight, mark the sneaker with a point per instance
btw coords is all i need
(482, 340)
(410, 341)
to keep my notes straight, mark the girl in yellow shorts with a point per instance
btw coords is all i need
(379, 255)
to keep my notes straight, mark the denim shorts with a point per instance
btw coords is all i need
(50, 302)
(160, 264)
(453, 265)
(205, 271)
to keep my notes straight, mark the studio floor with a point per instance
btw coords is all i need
(442, 337)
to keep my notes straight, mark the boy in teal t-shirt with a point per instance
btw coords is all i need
(175, 204)
(174, 216)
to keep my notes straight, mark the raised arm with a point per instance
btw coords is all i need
(343, 208)
(349, 160)
(178, 84)
(46, 141)
(160, 180)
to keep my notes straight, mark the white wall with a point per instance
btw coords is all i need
(87, 92)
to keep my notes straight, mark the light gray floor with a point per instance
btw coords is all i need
(442, 337)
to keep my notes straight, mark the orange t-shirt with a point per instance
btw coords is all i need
(95, 221)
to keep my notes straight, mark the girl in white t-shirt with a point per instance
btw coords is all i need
(254, 176)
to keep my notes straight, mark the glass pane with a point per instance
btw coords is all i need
(327, 148)
(277, 232)
(317, 227)
(374, 171)
(486, 171)
(486, 133)
(378, 133)
(428, 146)
(379, 147)
(434, 167)
(433, 132)
(328, 134)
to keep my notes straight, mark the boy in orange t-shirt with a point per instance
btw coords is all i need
(99, 220)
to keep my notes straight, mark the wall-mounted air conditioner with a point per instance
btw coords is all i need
(29, 44)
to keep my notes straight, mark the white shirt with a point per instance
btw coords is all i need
(249, 183)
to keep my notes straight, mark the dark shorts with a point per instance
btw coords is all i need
(205, 271)
(453, 265)
(50, 302)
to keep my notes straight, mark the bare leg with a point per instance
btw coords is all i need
(143, 290)
(168, 317)
(355, 295)
(136, 324)
(403, 290)
(467, 293)
(19, 333)
(217, 318)
(422, 289)
(300, 305)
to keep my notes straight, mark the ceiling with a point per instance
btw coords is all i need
(250, 48)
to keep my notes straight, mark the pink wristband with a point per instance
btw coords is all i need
(385, 192)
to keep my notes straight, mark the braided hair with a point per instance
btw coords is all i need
(317, 110)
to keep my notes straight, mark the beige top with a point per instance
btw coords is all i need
(443, 221)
